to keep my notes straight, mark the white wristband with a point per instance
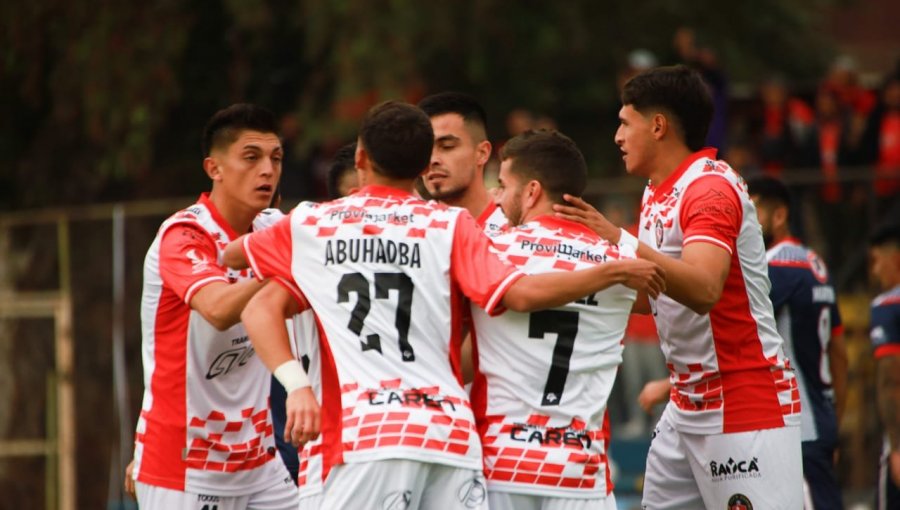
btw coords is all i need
(627, 239)
(291, 375)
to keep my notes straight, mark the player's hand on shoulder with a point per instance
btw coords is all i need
(303, 417)
(582, 212)
(643, 275)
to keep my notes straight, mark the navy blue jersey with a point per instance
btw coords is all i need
(807, 318)
(885, 323)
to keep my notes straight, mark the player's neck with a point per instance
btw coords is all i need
(238, 216)
(476, 199)
(780, 237)
(543, 208)
(407, 185)
(668, 159)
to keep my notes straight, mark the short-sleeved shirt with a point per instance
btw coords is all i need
(884, 330)
(492, 219)
(543, 378)
(385, 273)
(204, 425)
(727, 367)
(807, 317)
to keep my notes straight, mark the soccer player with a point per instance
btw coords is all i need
(455, 174)
(885, 335)
(385, 273)
(730, 434)
(807, 318)
(342, 173)
(204, 436)
(544, 377)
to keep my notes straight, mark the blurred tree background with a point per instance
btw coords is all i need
(105, 101)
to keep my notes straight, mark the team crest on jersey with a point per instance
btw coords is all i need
(817, 267)
(199, 263)
(739, 502)
(659, 232)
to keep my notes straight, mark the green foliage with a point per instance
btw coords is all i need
(105, 100)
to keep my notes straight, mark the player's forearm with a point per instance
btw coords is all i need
(221, 303)
(266, 328)
(694, 286)
(888, 396)
(838, 364)
(233, 256)
(549, 290)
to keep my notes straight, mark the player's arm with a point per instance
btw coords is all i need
(264, 318)
(234, 256)
(838, 364)
(549, 290)
(654, 392)
(887, 389)
(187, 265)
(696, 281)
(221, 303)
(641, 304)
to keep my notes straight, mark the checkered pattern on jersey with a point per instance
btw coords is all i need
(532, 453)
(419, 418)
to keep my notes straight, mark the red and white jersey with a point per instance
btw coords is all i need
(728, 368)
(310, 475)
(369, 264)
(204, 425)
(543, 378)
(492, 220)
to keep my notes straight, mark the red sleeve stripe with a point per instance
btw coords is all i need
(294, 291)
(200, 284)
(837, 330)
(494, 305)
(887, 350)
(707, 239)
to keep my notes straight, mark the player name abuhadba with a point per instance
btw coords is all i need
(372, 250)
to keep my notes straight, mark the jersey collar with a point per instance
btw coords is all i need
(217, 216)
(789, 240)
(666, 186)
(486, 213)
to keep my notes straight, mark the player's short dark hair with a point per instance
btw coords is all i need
(226, 125)
(550, 158)
(680, 93)
(461, 104)
(888, 234)
(344, 161)
(770, 191)
(398, 139)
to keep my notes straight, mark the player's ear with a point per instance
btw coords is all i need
(211, 167)
(533, 192)
(780, 216)
(483, 152)
(660, 124)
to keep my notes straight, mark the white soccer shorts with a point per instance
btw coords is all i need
(511, 501)
(760, 469)
(398, 484)
(281, 495)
